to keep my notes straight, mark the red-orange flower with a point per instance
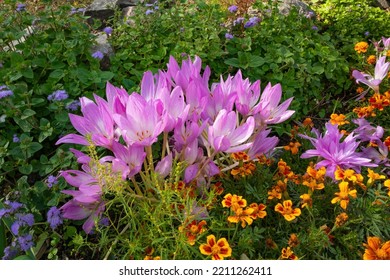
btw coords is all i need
(371, 59)
(292, 147)
(259, 210)
(287, 211)
(375, 250)
(192, 230)
(233, 201)
(243, 216)
(293, 241)
(288, 254)
(218, 250)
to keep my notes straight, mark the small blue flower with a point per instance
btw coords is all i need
(73, 106)
(58, 95)
(252, 22)
(366, 33)
(229, 36)
(54, 217)
(238, 21)
(10, 252)
(20, 7)
(5, 91)
(233, 8)
(51, 180)
(25, 242)
(15, 139)
(149, 11)
(98, 55)
(107, 30)
(314, 27)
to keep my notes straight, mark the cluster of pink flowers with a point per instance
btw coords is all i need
(200, 122)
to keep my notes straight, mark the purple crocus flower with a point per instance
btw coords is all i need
(268, 111)
(96, 122)
(379, 155)
(98, 55)
(386, 43)
(335, 153)
(142, 123)
(54, 217)
(381, 69)
(225, 136)
(263, 145)
(366, 132)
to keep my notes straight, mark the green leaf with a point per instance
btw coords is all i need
(25, 125)
(15, 76)
(2, 238)
(37, 101)
(25, 169)
(256, 61)
(57, 74)
(232, 62)
(24, 257)
(106, 76)
(27, 113)
(28, 73)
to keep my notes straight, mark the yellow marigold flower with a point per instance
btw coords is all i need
(361, 47)
(285, 171)
(288, 254)
(243, 216)
(387, 184)
(342, 175)
(192, 230)
(344, 194)
(258, 210)
(341, 219)
(218, 250)
(308, 122)
(388, 53)
(287, 211)
(293, 147)
(373, 177)
(338, 119)
(375, 250)
(306, 200)
(293, 240)
(371, 59)
(318, 174)
(233, 201)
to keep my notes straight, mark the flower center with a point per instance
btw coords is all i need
(215, 249)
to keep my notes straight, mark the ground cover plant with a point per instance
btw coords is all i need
(220, 130)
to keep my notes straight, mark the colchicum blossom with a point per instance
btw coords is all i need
(381, 69)
(335, 153)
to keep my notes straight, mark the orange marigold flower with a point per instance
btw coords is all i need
(387, 142)
(269, 243)
(375, 250)
(338, 119)
(148, 258)
(308, 122)
(293, 147)
(258, 210)
(245, 170)
(287, 211)
(233, 201)
(359, 90)
(218, 250)
(361, 47)
(293, 241)
(371, 59)
(344, 194)
(379, 101)
(288, 254)
(192, 230)
(240, 156)
(364, 112)
(243, 216)
(217, 188)
(388, 53)
(306, 200)
(373, 177)
(341, 219)
(275, 192)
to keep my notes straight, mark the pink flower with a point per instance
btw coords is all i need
(263, 145)
(142, 123)
(96, 122)
(381, 69)
(128, 160)
(225, 136)
(268, 111)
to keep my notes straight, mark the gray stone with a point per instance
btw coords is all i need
(285, 7)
